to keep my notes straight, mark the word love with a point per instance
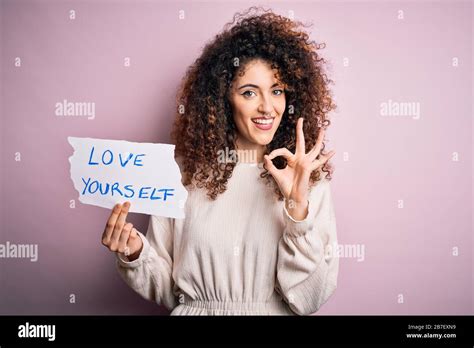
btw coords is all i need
(108, 157)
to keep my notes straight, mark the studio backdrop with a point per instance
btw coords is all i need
(402, 184)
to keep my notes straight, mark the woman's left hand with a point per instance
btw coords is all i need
(293, 180)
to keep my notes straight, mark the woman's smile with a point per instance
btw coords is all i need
(263, 123)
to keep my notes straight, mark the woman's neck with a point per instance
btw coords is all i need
(248, 152)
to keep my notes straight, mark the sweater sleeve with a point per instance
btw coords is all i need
(150, 275)
(308, 264)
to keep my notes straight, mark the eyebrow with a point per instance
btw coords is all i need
(255, 86)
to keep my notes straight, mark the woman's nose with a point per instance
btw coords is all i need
(266, 106)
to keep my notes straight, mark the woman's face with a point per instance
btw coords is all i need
(258, 103)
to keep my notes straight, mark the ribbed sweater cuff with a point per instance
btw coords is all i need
(309, 293)
(297, 228)
(123, 260)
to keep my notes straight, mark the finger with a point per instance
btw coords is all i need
(322, 159)
(133, 236)
(122, 244)
(281, 152)
(300, 149)
(120, 223)
(317, 147)
(109, 228)
(269, 165)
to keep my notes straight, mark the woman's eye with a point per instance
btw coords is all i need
(246, 93)
(279, 91)
(252, 93)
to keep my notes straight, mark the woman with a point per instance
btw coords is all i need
(257, 229)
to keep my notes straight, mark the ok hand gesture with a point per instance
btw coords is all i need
(293, 180)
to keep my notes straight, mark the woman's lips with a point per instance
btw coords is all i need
(263, 123)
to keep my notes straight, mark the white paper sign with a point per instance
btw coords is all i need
(107, 172)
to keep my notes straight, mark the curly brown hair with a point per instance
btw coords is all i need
(204, 123)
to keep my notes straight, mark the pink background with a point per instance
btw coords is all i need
(407, 251)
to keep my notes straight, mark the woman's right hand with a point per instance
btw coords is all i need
(120, 236)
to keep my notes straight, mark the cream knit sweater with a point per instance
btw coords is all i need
(240, 254)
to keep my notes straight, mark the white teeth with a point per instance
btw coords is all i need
(263, 121)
